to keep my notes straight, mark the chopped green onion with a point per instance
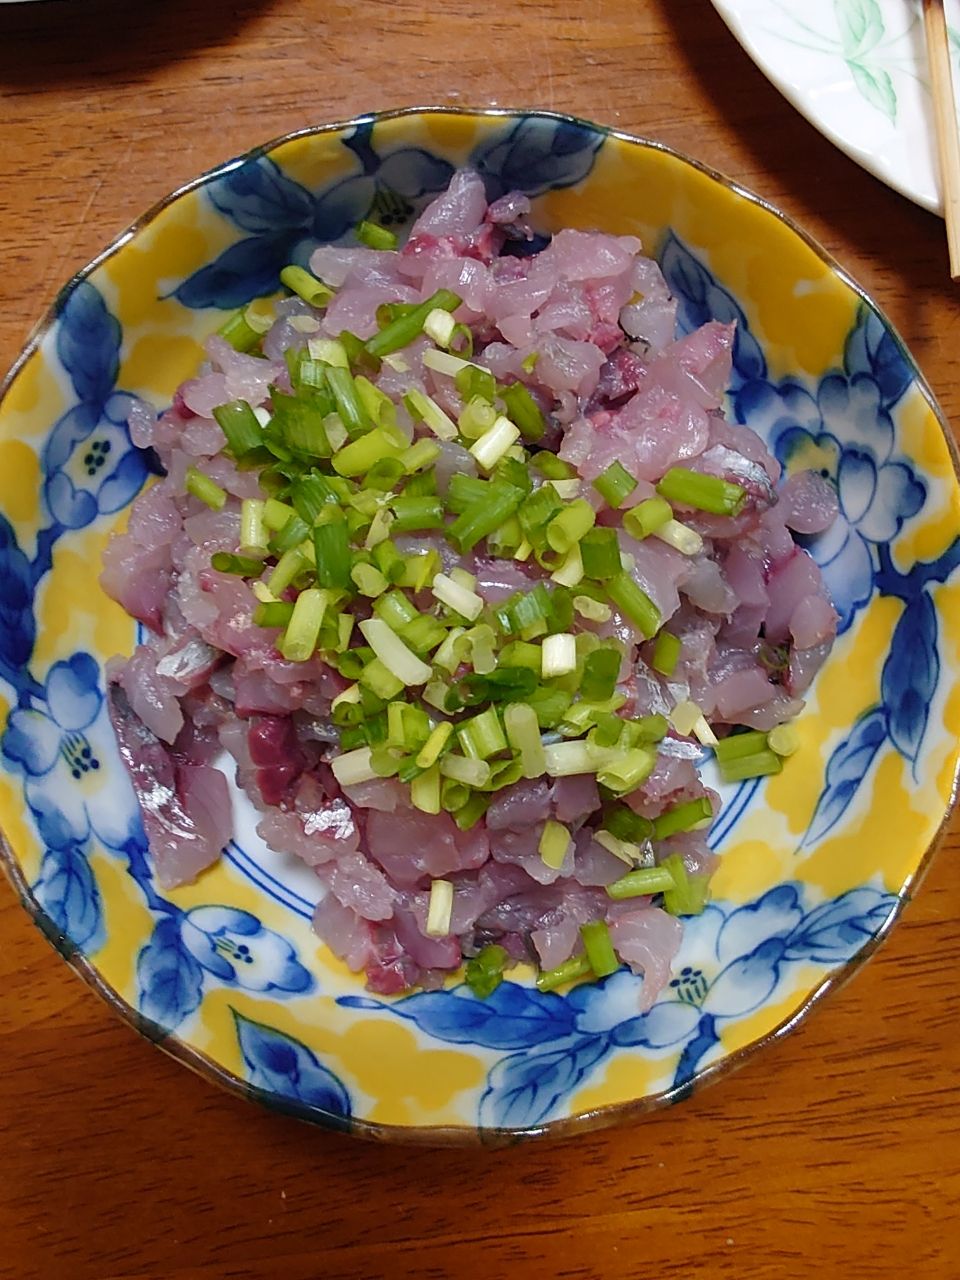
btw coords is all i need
(703, 492)
(207, 490)
(439, 325)
(523, 734)
(423, 633)
(402, 331)
(683, 817)
(615, 484)
(433, 747)
(375, 236)
(395, 610)
(415, 514)
(422, 408)
(276, 514)
(361, 454)
(681, 537)
(467, 770)
(647, 517)
(306, 286)
(472, 810)
(599, 948)
(388, 560)
(601, 670)
(331, 545)
(457, 597)
(564, 759)
(621, 821)
(354, 767)
(422, 453)
(572, 969)
(276, 613)
(500, 501)
(537, 510)
(483, 656)
(759, 765)
(243, 566)
(558, 655)
(444, 362)
(379, 679)
(600, 554)
(475, 382)
(634, 604)
(554, 843)
(523, 410)
(502, 685)
(666, 652)
(420, 570)
(393, 653)
(493, 444)
(740, 744)
(641, 883)
(425, 791)
(688, 719)
(240, 425)
(350, 407)
(592, 610)
(689, 893)
(784, 740)
(300, 638)
(291, 535)
(571, 571)
(627, 770)
(549, 706)
(567, 489)
(253, 530)
(484, 972)
(330, 351)
(290, 564)
(238, 331)
(368, 580)
(570, 525)
(482, 736)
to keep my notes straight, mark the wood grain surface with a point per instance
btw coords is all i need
(835, 1152)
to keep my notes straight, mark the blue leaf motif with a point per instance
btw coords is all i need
(836, 930)
(846, 770)
(702, 299)
(169, 978)
(537, 155)
(248, 269)
(259, 197)
(88, 344)
(747, 982)
(279, 1064)
(871, 348)
(17, 624)
(67, 891)
(524, 1088)
(910, 675)
(513, 1017)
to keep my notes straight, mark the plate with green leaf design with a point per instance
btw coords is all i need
(857, 69)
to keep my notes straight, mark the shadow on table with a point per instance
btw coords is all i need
(76, 42)
(880, 222)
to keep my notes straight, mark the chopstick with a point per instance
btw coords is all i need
(945, 117)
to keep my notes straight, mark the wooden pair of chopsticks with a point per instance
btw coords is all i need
(945, 116)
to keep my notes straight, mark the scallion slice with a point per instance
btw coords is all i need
(641, 883)
(375, 236)
(599, 948)
(615, 484)
(306, 286)
(702, 492)
(208, 491)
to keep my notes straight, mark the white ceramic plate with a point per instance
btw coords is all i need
(857, 69)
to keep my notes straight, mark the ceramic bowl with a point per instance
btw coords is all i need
(816, 863)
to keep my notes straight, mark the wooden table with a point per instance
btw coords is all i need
(836, 1152)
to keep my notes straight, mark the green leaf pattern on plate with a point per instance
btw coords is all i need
(861, 30)
(874, 56)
